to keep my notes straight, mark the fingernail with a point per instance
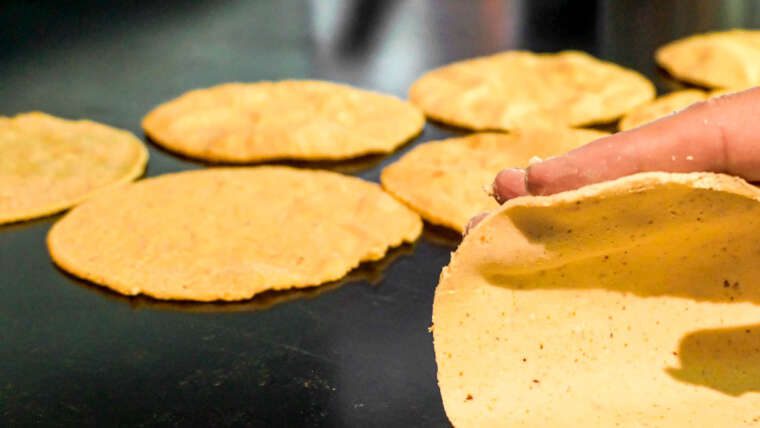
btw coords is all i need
(509, 184)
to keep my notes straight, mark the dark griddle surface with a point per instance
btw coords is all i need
(351, 354)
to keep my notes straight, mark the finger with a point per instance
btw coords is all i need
(718, 135)
(474, 222)
(509, 183)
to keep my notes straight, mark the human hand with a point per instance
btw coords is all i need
(718, 135)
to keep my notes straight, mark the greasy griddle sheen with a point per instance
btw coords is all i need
(229, 233)
(48, 164)
(519, 89)
(725, 59)
(444, 180)
(291, 119)
(627, 303)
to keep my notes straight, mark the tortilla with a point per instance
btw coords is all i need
(229, 233)
(444, 180)
(48, 164)
(518, 89)
(661, 107)
(626, 303)
(292, 119)
(724, 59)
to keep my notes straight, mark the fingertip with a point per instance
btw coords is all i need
(474, 222)
(509, 184)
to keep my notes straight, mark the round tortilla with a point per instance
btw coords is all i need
(48, 164)
(724, 59)
(628, 303)
(292, 119)
(229, 233)
(518, 89)
(444, 180)
(661, 107)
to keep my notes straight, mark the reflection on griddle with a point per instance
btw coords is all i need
(370, 272)
(20, 226)
(347, 166)
(441, 236)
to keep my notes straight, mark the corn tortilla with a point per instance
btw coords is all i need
(723, 59)
(444, 180)
(661, 107)
(48, 164)
(518, 89)
(292, 119)
(229, 233)
(627, 303)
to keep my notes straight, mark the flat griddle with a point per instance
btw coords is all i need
(353, 353)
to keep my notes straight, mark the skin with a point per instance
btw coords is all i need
(718, 135)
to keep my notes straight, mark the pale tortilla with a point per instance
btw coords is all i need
(291, 119)
(229, 233)
(724, 59)
(444, 180)
(627, 303)
(661, 107)
(518, 89)
(48, 164)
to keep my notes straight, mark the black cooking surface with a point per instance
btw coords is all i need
(353, 353)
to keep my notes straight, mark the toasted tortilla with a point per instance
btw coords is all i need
(229, 233)
(49, 164)
(627, 303)
(722, 59)
(519, 89)
(661, 107)
(444, 180)
(290, 119)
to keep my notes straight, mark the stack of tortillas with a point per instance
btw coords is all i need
(628, 303)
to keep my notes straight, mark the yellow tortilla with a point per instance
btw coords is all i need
(518, 89)
(661, 107)
(444, 180)
(292, 119)
(628, 303)
(229, 233)
(724, 59)
(48, 164)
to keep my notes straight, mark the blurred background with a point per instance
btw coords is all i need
(355, 353)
